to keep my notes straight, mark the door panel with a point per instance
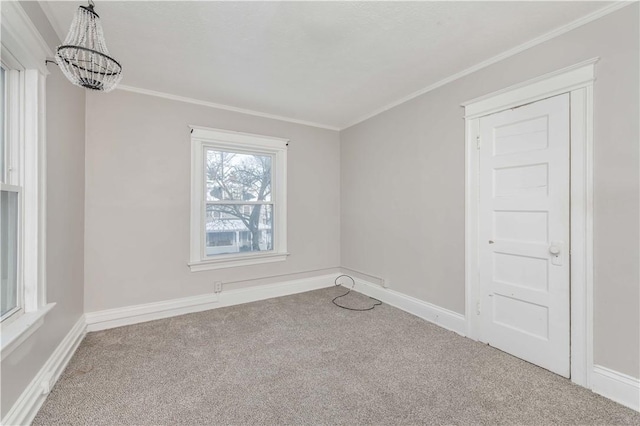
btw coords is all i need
(524, 232)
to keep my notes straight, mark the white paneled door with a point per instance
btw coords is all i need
(524, 232)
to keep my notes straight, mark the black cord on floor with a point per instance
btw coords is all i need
(349, 291)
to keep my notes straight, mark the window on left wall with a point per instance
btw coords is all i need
(23, 304)
(11, 303)
(10, 294)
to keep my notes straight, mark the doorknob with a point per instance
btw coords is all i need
(556, 249)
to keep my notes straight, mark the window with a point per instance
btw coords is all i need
(22, 164)
(10, 200)
(238, 199)
(21, 290)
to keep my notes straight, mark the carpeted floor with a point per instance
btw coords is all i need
(300, 360)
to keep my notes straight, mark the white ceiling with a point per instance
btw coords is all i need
(325, 62)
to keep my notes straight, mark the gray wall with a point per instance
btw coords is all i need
(65, 227)
(138, 200)
(402, 171)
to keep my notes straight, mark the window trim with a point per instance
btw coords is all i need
(203, 138)
(19, 330)
(13, 179)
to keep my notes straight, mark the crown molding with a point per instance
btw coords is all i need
(504, 55)
(223, 107)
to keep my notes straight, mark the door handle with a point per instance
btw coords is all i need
(556, 253)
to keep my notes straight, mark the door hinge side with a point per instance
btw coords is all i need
(478, 307)
(478, 142)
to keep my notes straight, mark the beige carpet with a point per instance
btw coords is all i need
(301, 360)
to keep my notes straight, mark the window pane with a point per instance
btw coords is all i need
(238, 228)
(239, 177)
(8, 250)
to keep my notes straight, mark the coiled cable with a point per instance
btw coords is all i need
(349, 291)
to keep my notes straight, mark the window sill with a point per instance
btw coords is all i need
(14, 334)
(207, 265)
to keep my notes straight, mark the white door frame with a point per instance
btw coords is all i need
(577, 80)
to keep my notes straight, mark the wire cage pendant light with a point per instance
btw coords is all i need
(84, 58)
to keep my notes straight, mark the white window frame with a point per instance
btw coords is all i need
(203, 138)
(23, 53)
(11, 180)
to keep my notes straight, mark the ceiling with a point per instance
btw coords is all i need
(331, 63)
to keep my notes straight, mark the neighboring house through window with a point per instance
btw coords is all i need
(238, 199)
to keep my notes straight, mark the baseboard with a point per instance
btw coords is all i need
(127, 315)
(118, 317)
(262, 292)
(24, 410)
(440, 316)
(616, 386)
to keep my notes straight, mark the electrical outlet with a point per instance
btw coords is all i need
(217, 287)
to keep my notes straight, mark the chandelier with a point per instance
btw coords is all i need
(84, 58)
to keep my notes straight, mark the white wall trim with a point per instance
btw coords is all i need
(445, 318)
(550, 84)
(118, 317)
(616, 386)
(127, 315)
(578, 81)
(14, 334)
(26, 407)
(33, 178)
(269, 291)
(581, 213)
(224, 107)
(610, 8)
(234, 262)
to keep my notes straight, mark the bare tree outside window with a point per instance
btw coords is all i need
(238, 197)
